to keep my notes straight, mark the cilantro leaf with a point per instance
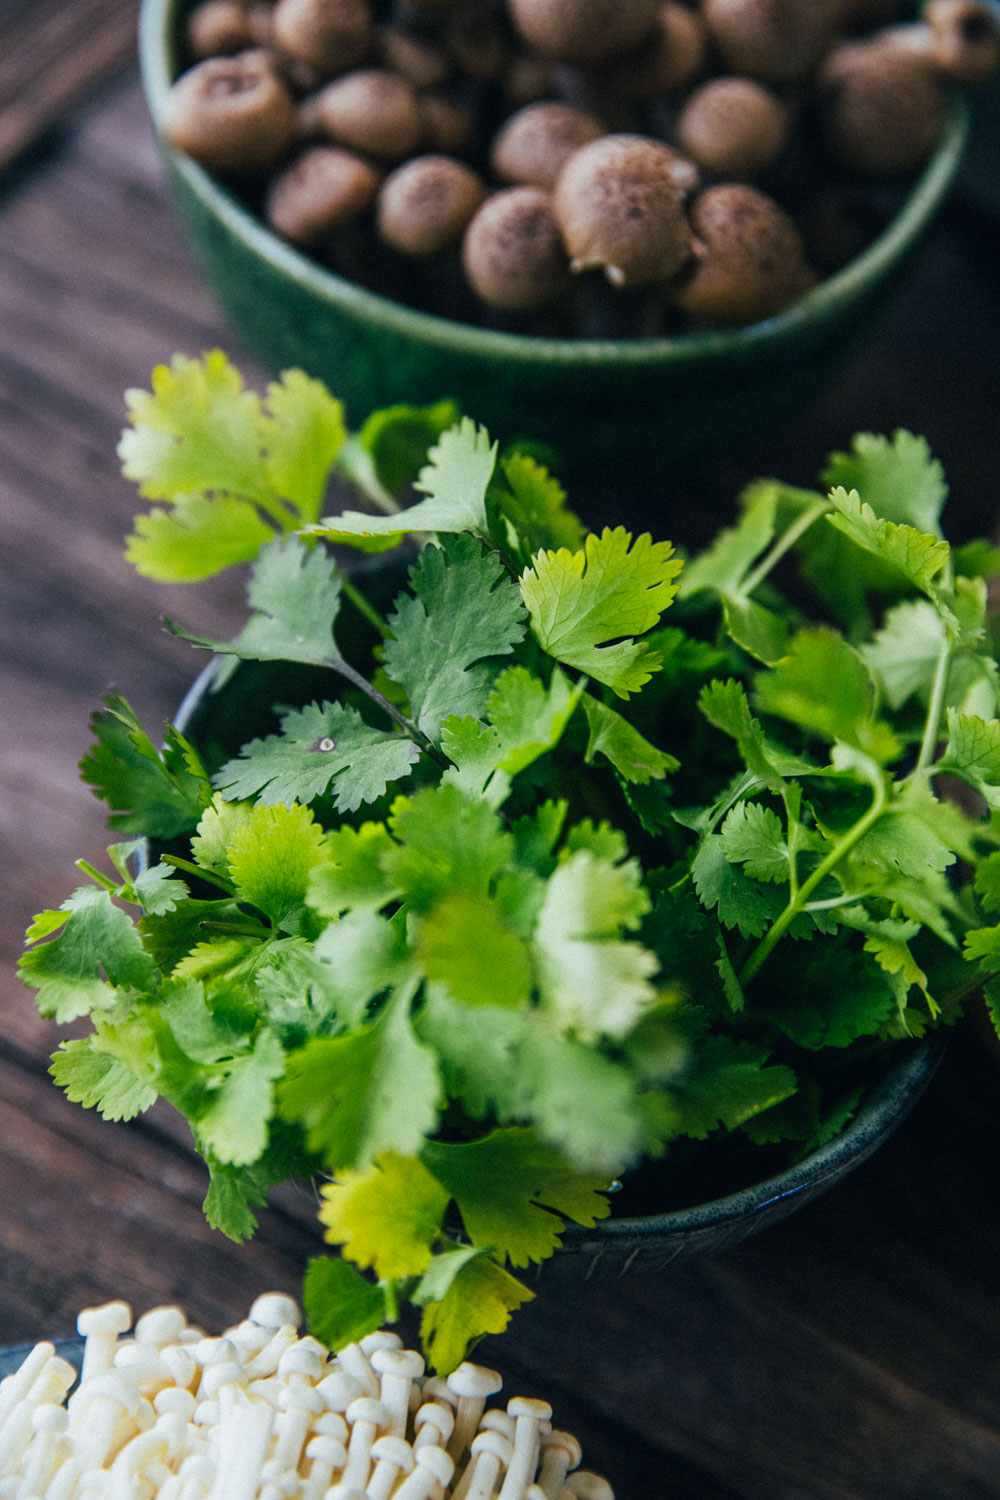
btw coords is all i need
(493, 969)
(582, 602)
(387, 1217)
(295, 594)
(740, 901)
(198, 429)
(463, 611)
(824, 686)
(590, 981)
(583, 1103)
(455, 480)
(397, 438)
(233, 1124)
(477, 1049)
(919, 557)
(302, 433)
(480, 1300)
(533, 503)
(752, 835)
(898, 478)
(97, 1080)
(904, 654)
(374, 1090)
(629, 752)
(352, 876)
(733, 551)
(730, 1083)
(973, 753)
(341, 1307)
(509, 1188)
(445, 841)
(271, 858)
(158, 793)
(319, 749)
(97, 948)
(233, 1194)
(200, 536)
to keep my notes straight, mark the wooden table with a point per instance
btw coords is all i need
(853, 1351)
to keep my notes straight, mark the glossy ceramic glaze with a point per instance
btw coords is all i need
(621, 413)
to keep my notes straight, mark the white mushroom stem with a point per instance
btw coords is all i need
(366, 1417)
(14, 1389)
(245, 1433)
(354, 1361)
(491, 1455)
(48, 1448)
(297, 1408)
(471, 1384)
(96, 1411)
(180, 1362)
(528, 1414)
(397, 1369)
(326, 1456)
(393, 1456)
(100, 1327)
(265, 1361)
(490, 1421)
(583, 1485)
(560, 1453)
(432, 1467)
(433, 1423)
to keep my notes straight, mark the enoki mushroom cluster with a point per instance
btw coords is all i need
(263, 1413)
(595, 167)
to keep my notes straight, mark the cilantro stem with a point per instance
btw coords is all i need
(787, 540)
(935, 707)
(390, 1293)
(190, 868)
(235, 929)
(86, 868)
(366, 609)
(339, 665)
(797, 903)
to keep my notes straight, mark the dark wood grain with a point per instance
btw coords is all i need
(852, 1352)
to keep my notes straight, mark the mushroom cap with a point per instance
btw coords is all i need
(749, 258)
(529, 1406)
(300, 1359)
(367, 1409)
(448, 125)
(668, 60)
(425, 205)
(325, 187)
(966, 39)
(583, 31)
(330, 35)
(231, 113)
(533, 144)
(733, 127)
(619, 203)
(513, 255)
(496, 1443)
(777, 41)
(328, 1450)
(394, 1450)
(566, 1442)
(160, 1325)
(880, 108)
(587, 1486)
(436, 1415)
(406, 1363)
(373, 111)
(436, 1461)
(474, 1380)
(218, 26)
(111, 1318)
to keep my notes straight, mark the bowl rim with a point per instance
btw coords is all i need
(158, 55)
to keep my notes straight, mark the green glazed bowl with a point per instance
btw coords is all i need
(623, 415)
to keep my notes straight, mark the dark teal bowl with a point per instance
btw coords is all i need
(621, 413)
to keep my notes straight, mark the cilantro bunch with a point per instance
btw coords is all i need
(528, 887)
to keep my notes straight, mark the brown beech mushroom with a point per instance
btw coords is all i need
(583, 31)
(668, 60)
(447, 125)
(422, 61)
(512, 252)
(749, 260)
(372, 111)
(880, 107)
(733, 127)
(776, 41)
(533, 144)
(425, 205)
(231, 114)
(619, 203)
(330, 35)
(966, 46)
(323, 189)
(218, 27)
